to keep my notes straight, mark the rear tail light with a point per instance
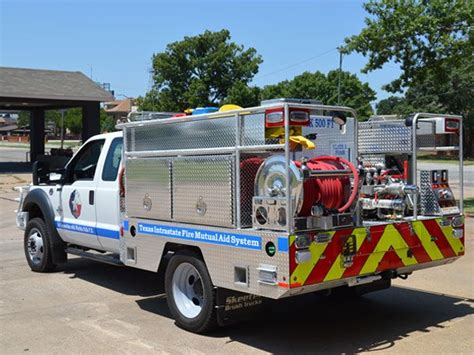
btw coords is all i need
(444, 176)
(451, 125)
(457, 221)
(301, 116)
(276, 117)
(302, 256)
(303, 241)
(121, 181)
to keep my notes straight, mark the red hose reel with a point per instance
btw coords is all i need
(332, 192)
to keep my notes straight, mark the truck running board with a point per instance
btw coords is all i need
(112, 259)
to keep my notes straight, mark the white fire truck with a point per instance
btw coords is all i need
(239, 205)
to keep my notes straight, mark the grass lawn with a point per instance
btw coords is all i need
(469, 205)
(50, 144)
(445, 160)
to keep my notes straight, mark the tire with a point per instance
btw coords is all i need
(37, 246)
(190, 293)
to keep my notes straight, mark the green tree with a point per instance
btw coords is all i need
(454, 95)
(23, 119)
(394, 105)
(323, 87)
(243, 95)
(51, 117)
(424, 37)
(433, 42)
(73, 120)
(200, 71)
(107, 123)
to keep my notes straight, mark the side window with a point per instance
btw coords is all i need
(112, 162)
(84, 164)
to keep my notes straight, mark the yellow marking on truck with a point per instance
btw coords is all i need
(303, 270)
(337, 269)
(455, 243)
(390, 238)
(425, 238)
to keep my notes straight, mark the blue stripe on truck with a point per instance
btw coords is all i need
(283, 244)
(200, 235)
(79, 228)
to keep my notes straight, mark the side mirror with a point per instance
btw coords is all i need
(57, 176)
(40, 171)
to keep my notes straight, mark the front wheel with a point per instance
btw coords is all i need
(37, 245)
(190, 293)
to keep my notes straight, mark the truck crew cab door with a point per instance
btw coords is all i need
(108, 198)
(77, 211)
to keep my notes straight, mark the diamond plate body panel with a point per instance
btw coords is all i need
(373, 159)
(203, 190)
(148, 187)
(220, 260)
(428, 204)
(219, 132)
(253, 129)
(384, 137)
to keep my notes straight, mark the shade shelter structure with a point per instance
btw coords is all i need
(37, 91)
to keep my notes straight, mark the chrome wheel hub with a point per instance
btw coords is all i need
(35, 246)
(188, 291)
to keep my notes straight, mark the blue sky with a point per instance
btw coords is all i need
(116, 39)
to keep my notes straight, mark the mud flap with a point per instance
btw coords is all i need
(233, 306)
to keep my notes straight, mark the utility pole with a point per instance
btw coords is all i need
(339, 76)
(62, 129)
(90, 66)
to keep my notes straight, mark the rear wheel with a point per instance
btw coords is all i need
(190, 293)
(37, 245)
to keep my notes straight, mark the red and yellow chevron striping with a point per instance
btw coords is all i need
(377, 248)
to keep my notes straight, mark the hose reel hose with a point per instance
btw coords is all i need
(333, 192)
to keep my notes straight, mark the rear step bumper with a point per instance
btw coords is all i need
(111, 259)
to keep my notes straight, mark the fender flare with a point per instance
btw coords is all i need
(39, 198)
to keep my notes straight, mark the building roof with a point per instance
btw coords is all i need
(8, 128)
(49, 85)
(119, 106)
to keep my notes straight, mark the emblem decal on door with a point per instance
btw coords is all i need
(75, 204)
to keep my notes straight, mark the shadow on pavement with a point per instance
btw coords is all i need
(306, 323)
(377, 321)
(128, 281)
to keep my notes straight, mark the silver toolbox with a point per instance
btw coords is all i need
(148, 188)
(203, 190)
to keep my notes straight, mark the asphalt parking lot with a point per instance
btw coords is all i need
(88, 307)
